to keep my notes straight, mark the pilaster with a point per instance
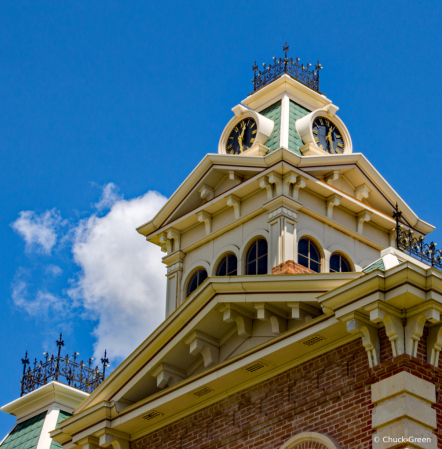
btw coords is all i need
(403, 409)
(174, 264)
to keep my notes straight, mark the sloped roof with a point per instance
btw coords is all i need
(26, 434)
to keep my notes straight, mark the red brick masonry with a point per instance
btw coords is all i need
(290, 267)
(330, 394)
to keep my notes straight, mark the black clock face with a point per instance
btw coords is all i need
(327, 136)
(242, 137)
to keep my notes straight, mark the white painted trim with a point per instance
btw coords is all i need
(311, 436)
(263, 124)
(245, 246)
(39, 400)
(304, 127)
(50, 423)
(187, 274)
(227, 249)
(285, 117)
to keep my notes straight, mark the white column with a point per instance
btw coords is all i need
(285, 118)
(174, 274)
(50, 423)
(282, 236)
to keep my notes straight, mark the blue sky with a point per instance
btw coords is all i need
(106, 103)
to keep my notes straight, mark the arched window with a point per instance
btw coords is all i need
(308, 255)
(256, 261)
(196, 280)
(339, 264)
(228, 266)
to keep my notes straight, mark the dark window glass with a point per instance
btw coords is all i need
(222, 267)
(197, 279)
(257, 258)
(308, 255)
(334, 263)
(228, 266)
(303, 247)
(338, 264)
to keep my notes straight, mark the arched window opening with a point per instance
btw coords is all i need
(339, 264)
(308, 255)
(256, 261)
(196, 280)
(228, 266)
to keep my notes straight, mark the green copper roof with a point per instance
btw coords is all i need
(378, 264)
(61, 417)
(296, 112)
(273, 112)
(26, 434)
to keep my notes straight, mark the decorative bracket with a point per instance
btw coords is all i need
(206, 192)
(393, 328)
(332, 201)
(234, 176)
(333, 176)
(358, 323)
(275, 178)
(288, 180)
(242, 318)
(302, 311)
(114, 441)
(434, 345)
(173, 234)
(208, 347)
(166, 244)
(264, 184)
(362, 192)
(301, 182)
(267, 312)
(415, 328)
(235, 202)
(206, 218)
(168, 375)
(362, 218)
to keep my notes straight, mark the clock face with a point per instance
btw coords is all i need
(327, 136)
(242, 137)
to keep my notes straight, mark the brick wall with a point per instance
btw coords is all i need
(330, 394)
(290, 267)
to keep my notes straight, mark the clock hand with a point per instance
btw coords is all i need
(330, 141)
(240, 143)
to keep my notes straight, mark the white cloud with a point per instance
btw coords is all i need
(53, 270)
(41, 305)
(38, 231)
(109, 196)
(122, 281)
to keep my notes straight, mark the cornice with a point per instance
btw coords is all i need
(268, 162)
(40, 399)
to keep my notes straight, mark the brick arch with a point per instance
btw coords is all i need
(310, 440)
(310, 445)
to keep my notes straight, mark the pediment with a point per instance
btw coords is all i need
(351, 177)
(219, 321)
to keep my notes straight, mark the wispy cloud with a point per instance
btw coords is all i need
(43, 304)
(39, 231)
(109, 196)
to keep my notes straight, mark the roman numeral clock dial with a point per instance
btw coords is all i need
(242, 137)
(327, 136)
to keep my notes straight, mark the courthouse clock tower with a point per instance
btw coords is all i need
(303, 306)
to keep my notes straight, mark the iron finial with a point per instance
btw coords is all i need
(285, 48)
